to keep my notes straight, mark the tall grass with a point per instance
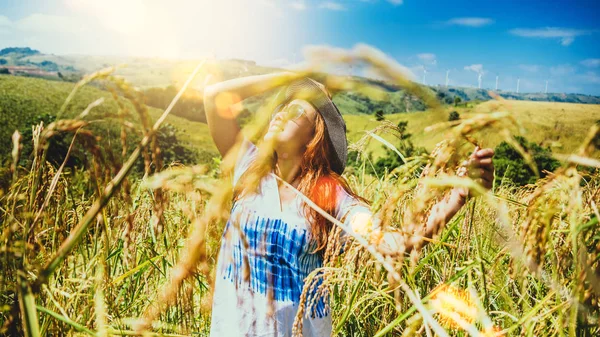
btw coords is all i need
(91, 251)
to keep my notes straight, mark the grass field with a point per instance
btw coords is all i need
(98, 252)
(562, 126)
(22, 99)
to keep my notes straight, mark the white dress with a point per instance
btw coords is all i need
(271, 260)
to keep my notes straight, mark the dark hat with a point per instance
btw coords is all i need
(309, 90)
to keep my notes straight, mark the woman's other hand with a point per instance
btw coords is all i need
(480, 168)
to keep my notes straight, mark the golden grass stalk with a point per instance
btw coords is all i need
(98, 75)
(77, 233)
(16, 153)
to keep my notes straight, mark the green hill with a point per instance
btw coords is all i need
(474, 94)
(23, 100)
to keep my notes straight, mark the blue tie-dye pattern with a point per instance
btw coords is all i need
(279, 259)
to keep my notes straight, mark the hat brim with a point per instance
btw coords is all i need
(309, 90)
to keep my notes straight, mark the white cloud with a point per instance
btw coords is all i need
(565, 41)
(393, 2)
(532, 68)
(174, 29)
(4, 21)
(470, 21)
(5, 25)
(279, 63)
(427, 58)
(478, 68)
(566, 35)
(334, 6)
(591, 77)
(418, 69)
(562, 70)
(45, 23)
(298, 5)
(131, 18)
(591, 63)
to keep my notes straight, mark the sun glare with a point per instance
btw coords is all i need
(185, 28)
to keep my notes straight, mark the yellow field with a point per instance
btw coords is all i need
(560, 125)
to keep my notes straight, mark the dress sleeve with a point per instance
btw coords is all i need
(247, 154)
(354, 214)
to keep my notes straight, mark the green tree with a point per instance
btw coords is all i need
(457, 100)
(57, 147)
(405, 146)
(510, 165)
(454, 116)
(189, 106)
(173, 149)
(379, 115)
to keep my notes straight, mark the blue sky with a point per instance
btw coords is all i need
(536, 41)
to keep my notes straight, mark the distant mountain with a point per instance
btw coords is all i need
(474, 94)
(447, 94)
(26, 51)
(552, 97)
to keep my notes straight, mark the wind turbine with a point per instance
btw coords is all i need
(546, 91)
(424, 73)
(447, 80)
(518, 83)
(496, 82)
(479, 80)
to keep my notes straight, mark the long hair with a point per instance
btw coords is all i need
(317, 181)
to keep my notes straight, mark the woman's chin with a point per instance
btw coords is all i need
(268, 136)
(273, 135)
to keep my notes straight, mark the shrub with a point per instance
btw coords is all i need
(454, 116)
(457, 100)
(510, 165)
(190, 106)
(57, 148)
(406, 147)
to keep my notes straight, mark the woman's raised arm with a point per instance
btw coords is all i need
(220, 104)
(480, 168)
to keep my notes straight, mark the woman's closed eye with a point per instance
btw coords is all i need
(290, 112)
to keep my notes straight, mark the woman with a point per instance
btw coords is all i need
(273, 239)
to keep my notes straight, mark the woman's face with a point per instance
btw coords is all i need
(292, 127)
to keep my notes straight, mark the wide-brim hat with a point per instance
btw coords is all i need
(311, 91)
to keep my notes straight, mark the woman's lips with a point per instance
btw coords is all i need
(276, 126)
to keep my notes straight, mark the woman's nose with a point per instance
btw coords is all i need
(278, 116)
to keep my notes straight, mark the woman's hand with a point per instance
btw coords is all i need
(480, 168)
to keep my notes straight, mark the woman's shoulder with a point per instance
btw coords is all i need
(346, 200)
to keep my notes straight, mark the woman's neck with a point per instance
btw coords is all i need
(288, 168)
